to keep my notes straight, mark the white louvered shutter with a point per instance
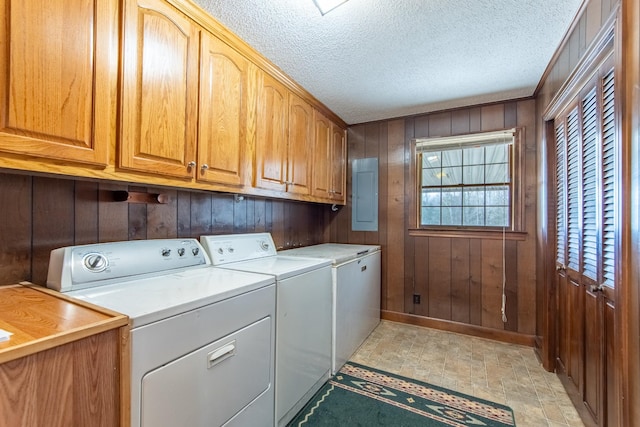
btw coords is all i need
(609, 166)
(574, 161)
(560, 193)
(590, 185)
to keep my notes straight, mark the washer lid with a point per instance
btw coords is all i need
(155, 298)
(338, 253)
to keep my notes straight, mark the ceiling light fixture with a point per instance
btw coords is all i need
(327, 6)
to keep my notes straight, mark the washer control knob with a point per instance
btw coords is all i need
(231, 250)
(166, 252)
(264, 245)
(220, 251)
(195, 251)
(181, 251)
(95, 262)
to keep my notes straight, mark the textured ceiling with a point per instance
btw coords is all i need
(377, 59)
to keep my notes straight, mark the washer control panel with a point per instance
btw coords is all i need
(226, 248)
(77, 267)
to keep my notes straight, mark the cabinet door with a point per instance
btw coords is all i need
(222, 131)
(300, 145)
(338, 164)
(160, 89)
(58, 78)
(271, 135)
(322, 157)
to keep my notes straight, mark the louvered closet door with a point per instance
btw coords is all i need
(586, 220)
(607, 258)
(569, 172)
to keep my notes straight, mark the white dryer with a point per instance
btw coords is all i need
(202, 338)
(303, 313)
(356, 294)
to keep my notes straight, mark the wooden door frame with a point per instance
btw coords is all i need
(628, 313)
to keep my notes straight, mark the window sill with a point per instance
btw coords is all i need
(468, 234)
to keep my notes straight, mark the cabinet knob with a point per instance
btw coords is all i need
(204, 167)
(191, 164)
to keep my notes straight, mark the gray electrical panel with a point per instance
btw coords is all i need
(364, 183)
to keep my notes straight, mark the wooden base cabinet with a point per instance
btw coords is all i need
(58, 78)
(75, 384)
(65, 364)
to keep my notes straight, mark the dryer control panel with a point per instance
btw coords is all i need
(223, 249)
(78, 267)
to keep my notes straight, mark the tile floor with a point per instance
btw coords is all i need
(503, 373)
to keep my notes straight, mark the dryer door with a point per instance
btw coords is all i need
(210, 385)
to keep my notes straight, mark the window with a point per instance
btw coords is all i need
(466, 181)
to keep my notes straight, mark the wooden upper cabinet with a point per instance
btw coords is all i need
(271, 134)
(159, 89)
(329, 160)
(300, 145)
(58, 78)
(284, 137)
(321, 156)
(223, 110)
(338, 162)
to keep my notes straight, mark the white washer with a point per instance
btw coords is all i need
(303, 313)
(356, 294)
(202, 338)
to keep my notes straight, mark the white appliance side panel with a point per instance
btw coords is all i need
(209, 386)
(303, 339)
(357, 310)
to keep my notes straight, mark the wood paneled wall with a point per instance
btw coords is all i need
(39, 214)
(458, 278)
(591, 18)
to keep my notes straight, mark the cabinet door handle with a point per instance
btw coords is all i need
(191, 164)
(220, 354)
(204, 167)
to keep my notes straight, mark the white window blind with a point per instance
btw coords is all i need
(466, 180)
(465, 141)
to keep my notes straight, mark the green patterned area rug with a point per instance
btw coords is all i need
(363, 396)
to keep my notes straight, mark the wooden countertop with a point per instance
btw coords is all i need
(40, 318)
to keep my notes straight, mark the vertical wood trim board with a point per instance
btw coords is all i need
(395, 216)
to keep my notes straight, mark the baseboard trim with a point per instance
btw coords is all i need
(460, 328)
